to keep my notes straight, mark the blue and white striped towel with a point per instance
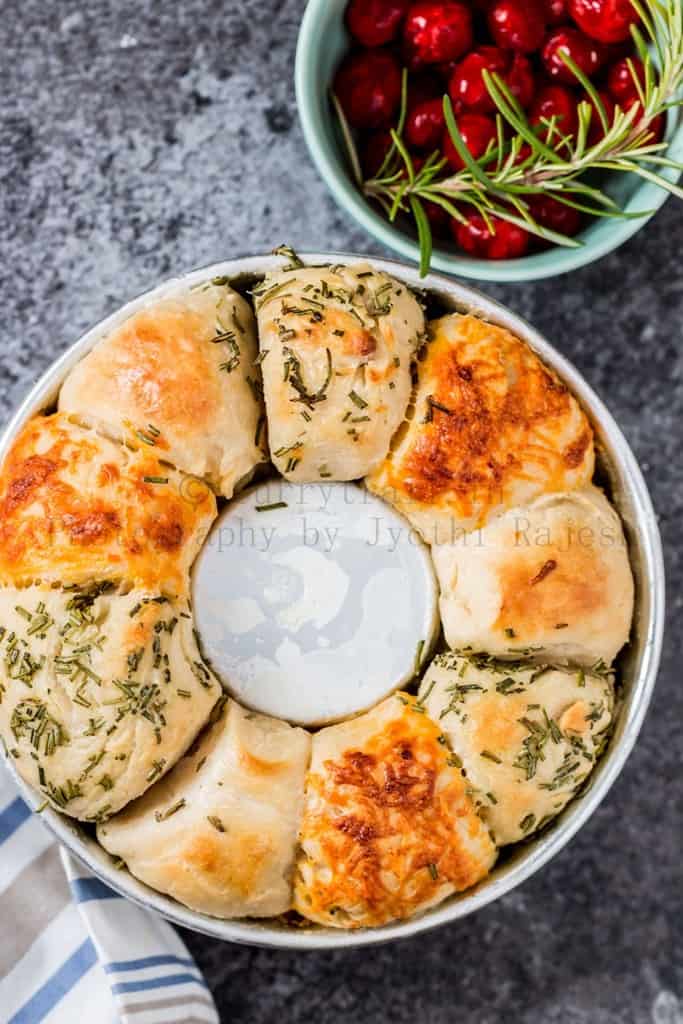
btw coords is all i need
(70, 945)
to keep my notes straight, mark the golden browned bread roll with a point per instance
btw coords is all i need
(100, 691)
(389, 829)
(552, 580)
(219, 832)
(185, 365)
(75, 507)
(527, 736)
(492, 428)
(336, 350)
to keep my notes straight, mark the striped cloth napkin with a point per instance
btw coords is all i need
(70, 945)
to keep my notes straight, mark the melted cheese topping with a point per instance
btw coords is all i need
(492, 428)
(75, 507)
(187, 365)
(389, 828)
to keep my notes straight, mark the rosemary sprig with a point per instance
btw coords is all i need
(542, 159)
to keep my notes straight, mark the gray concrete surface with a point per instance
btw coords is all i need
(138, 139)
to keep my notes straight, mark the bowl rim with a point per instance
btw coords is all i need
(549, 263)
(540, 850)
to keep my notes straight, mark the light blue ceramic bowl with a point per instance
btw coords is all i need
(322, 42)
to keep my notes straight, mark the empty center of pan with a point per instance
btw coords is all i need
(313, 601)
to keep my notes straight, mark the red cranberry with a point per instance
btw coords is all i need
(505, 242)
(556, 216)
(520, 80)
(596, 132)
(447, 70)
(373, 152)
(368, 86)
(436, 32)
(556, 12)
(656, 127)
(558, 102)
(586, 54)
(609, 21)
(523, 154)
(437, 217)
(517, 24)
(375, 22)
(425, 124)
(620, 81)
(477, 131)
(424, 85)
(467, 84)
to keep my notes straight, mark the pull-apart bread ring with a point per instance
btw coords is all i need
(105, 504)
(491, 428)
(551, 580)
(101, 691)
(389, 828)
(77, 508)
(219, 833)
(182, 372)
(527, 737)
(337, 344)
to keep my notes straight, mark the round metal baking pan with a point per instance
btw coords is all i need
(618, 471)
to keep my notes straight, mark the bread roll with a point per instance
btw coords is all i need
(336, 350)
(186, 365)
(100, 692)
(75, 507)
(551, 580)
(389, 829)
(492, 428)
(527, 737)
(219, 832)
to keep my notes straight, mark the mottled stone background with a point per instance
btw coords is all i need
(138, 139)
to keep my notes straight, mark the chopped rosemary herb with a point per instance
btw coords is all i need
(216, 822)
(544, 571)
(418, 656)
(259, 430)
(286, 250)
(163, 815)
(31, 720)
(490, 757)
(269, 508)
(146, 438)
(286, 449)
(156, 770)
(294, 377)
(155, 479)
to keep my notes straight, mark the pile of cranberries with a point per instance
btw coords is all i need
(446, 45)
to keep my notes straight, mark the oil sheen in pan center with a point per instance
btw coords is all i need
(313, 601)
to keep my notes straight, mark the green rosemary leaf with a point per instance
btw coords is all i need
(424, 235)
(286, 250)
(456, 138)
(349, 144)
(269, 508)
(390, 155)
